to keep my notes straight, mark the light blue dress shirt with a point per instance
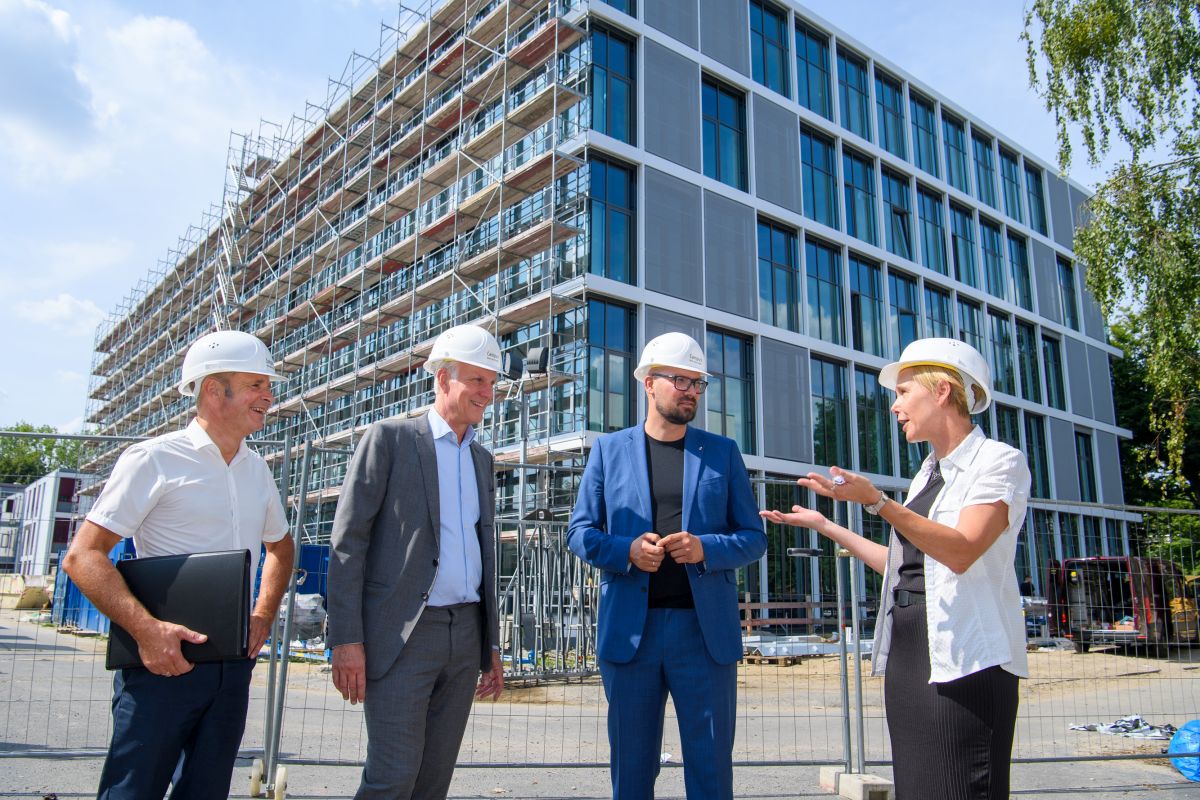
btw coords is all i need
(460, 565)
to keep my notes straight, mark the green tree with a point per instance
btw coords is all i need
(1125, 73)
(24, 459)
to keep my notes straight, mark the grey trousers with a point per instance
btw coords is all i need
(417, 712)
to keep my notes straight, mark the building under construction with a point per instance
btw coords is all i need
(579, 177)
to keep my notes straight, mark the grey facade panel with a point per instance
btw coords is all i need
(1066, 465)
(787, 427)
(1062, 220)
(672, 105)
(660, 321)
(777, 155)
(1078, 212)
(674, 262)
(725, 32)
(1045, 279)
(1093, 318)
(729, 273)
(1078, 375)
(1108, 458)
(675, 18)
(1102, 386)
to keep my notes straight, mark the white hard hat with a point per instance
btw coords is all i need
(466, 344)
(671, 350)
(953, 354)
(224, 351)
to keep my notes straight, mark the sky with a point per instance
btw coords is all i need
(115, 122)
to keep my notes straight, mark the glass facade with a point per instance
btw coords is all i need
(1087, 468)
(1008, 426)
(993, 259)
(853, 94)
(1027, 360)
(939, 319)
(730, 396)
(1056, 394)
(924, 134)
(889, 114)
(823, 265)
(778, 280)
(820, 178)
(1066, 294)
(858, 177)
(1035, 453)
(874, 424)
(933, 230)
(1018, 261)
(611, 223)
(723, 116)
(768, 46)
(970, 327)
(1000, 338)
(954, 136)
(962, 245)
(614, 90)
(897, 214)
(866, 305)
(985, 169)
(612, 341)
(1036, 199)
(830, 413)
(1010, 179)
(904, 312)
(812, 70)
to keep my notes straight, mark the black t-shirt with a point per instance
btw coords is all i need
(912, 567)
(669, 587)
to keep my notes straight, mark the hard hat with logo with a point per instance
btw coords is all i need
(673, 349)
(224, 351)
(466, 344)
(952, 354)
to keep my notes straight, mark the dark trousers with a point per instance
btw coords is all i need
(193, 721)
(953, 740)
(671, 659)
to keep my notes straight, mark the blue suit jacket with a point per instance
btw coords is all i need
(613, 509)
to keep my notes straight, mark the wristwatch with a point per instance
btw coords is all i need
(877, 506)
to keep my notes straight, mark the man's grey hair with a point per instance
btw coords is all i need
(221, 378)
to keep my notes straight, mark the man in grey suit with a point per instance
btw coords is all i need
(412, 577)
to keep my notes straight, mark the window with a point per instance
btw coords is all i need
(830, 412)
(933, 230)
(1037, 200)
(1018, 259)
(984, 421)
(820, 178)
(1093, 540)
(623, 5)
(778, 263)
(812, 70)
(970, 329)
(955, 137)
(858, 176)
(1008, 426)
(614, 94)
(852, 93)
(1035, 452)
(1112, 537)
(938, 319)
(889, 109)
(1087, 467)
(904, 311)
(911, 453)
(985, 169)
(1066, 294)
(1010, 179)
(1027, 360)
(962, 242)
(897, 214)
(768, 46)
(1068, 525)
(611, 221)
(824, 268)
(993, 259)
(874, 424)
(924, 134)
(1056, 395)
(724, 120)
(866, 305)
(610, 366)
(1000, 337)
(730, 398)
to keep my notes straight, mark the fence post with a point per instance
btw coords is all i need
(851, 562)
(276, 627)
(842, 653)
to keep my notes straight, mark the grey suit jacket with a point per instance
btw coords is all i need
(386, 532)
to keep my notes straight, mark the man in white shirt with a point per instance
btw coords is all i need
(192, 491)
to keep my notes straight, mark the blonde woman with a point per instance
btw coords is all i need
(950, 640)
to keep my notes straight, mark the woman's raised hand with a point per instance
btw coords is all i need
(799, 516)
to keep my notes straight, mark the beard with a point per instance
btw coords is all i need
(676, 415)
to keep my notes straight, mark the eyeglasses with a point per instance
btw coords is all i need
(683, 383)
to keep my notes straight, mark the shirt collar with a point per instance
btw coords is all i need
(961, 456)
(440, 429)
(201, 440)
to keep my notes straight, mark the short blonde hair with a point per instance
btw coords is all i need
(930, 376)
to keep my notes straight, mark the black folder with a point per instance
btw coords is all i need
(207, 592)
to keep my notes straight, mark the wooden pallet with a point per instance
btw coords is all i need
(779, 661)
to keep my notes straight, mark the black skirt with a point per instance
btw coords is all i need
(950, 741)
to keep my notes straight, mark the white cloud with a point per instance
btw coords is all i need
(63, 314)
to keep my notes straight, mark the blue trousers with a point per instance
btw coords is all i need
(671, 659)
(193, 721)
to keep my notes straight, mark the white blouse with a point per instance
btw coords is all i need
(975, 619)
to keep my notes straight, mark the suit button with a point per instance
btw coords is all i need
(435, 562)
(424, 595)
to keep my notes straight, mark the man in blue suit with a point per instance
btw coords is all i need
(666, 512)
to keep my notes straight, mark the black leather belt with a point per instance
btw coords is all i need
(904, 598)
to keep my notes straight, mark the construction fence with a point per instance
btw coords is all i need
(1111, 623)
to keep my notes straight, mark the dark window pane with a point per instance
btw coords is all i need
(933, 231)
(724, 127)
(955, 137)
(768, 46)
(820, 179)
(904, 312)
(897, 214)
(853, 94)
(924, 134)
(1037, 201)
(858, 176)
(985, 169)
(962, 236)
(824, 270)
(889, 107)
(1010, 177)
(812, 70)
(866, 305)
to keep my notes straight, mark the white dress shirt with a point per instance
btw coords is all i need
(175, 494)
(975, 619)
(460, 562)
